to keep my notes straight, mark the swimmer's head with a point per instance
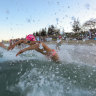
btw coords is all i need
(30, 37)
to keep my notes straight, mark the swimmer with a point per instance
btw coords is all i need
(3, 46)
(11, 42)
(38, 46)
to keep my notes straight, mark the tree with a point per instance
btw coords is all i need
(76, 26)
(53, 30)
(37, 34)
(43, 32)
(90, 24)
(34, 34)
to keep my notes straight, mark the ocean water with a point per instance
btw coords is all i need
(32, 74)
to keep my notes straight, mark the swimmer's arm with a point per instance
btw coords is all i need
(25, 49)
(22, 41)
(15, 44)
(19, 42)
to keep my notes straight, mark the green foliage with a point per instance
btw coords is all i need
(37, 34)
(43, 32)
(53, 30)
(76, 26)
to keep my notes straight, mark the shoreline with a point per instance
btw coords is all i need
(72, 42)
(75, 42)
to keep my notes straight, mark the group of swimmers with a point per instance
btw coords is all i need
(33, 45)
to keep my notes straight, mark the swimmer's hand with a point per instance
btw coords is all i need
(19, 52)
(11, 47)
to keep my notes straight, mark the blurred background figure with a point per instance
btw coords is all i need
(58, 43)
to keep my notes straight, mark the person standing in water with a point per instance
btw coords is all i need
(58, 43)
(36, 45)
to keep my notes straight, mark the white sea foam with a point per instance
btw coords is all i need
(67, 53)
(77, 53)
(34, 83)
(40, 81)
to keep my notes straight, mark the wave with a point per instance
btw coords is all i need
(31, 74)
(68, 53)
(43, 78)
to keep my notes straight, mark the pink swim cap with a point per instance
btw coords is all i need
(30, 37)
(60, 37)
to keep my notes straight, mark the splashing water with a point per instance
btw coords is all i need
(31, 74)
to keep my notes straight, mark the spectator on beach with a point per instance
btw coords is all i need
(37, 38)
(58, 43)
(89, 31)
(38, 46)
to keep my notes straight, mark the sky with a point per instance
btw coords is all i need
(19, 18)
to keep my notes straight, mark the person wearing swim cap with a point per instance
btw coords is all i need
(38, 46)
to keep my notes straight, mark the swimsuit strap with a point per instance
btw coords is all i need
(53, 52)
